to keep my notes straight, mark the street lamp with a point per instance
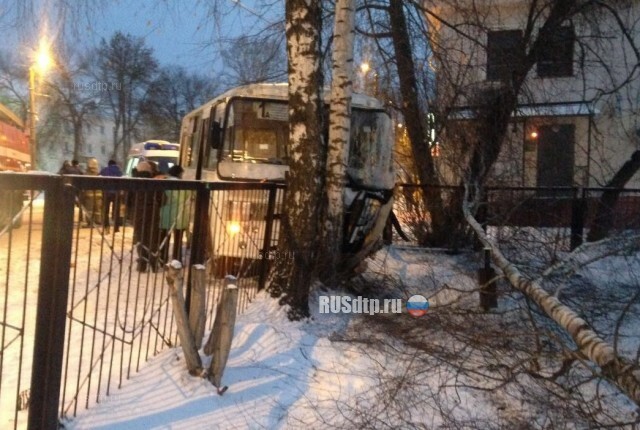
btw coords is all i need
(42, 63)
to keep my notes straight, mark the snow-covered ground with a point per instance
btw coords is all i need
(361, 371)
(384, 371)
(281, 374)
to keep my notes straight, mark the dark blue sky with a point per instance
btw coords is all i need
(183, 33)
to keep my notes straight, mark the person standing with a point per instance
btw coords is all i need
(174, 213)
(92, 199)
(145, 208)
(65, 169)
(75, 168)
(110, 198)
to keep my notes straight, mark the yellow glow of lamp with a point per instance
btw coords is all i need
(364, 67)
(42, 63)
(234, 228)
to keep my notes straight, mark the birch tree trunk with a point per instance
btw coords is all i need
(339, 130)
(301, 220)
(617, 369)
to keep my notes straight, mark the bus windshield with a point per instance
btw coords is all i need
(257, 131)
(370, 163)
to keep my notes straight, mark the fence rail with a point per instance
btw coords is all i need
(569, 211)
(84, 298)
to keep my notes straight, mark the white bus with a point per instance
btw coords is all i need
(164, 154)
(242, 135)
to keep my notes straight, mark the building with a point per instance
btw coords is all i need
(576, 120)
(57, 142)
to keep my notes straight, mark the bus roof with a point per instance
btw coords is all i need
(280, 91)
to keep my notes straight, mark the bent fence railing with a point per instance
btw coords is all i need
(83, 296)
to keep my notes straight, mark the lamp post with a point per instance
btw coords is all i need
(41, 65)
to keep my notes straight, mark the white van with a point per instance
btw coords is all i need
(164, 154)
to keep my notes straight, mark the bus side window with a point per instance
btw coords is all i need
(195, 142)
(185, 150)
(206, 149)
(229, 133)
(214, 135)
(189, 144)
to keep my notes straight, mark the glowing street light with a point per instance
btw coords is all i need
(41, 65)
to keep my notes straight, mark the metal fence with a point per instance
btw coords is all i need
(84, 298)
(544, 216)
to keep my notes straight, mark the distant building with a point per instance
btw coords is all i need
(97, 134)
(577, 121)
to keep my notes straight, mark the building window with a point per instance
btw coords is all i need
(556, 58)
(504, 54)
(102, 129)
(103, 150)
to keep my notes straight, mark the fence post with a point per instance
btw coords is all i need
(192, 358)
(53, 291)
(486, 279)
(198, 238)
(578, 214)
(266, 244)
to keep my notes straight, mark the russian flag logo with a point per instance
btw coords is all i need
(417, 306)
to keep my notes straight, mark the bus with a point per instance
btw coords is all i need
(163, 153)
(242, 135)
(15, 156)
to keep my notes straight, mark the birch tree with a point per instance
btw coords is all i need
(305, 183)
(339, 129)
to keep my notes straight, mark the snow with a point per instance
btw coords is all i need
(327, 371)
(352, 371)
(281, 374)
(268, 373)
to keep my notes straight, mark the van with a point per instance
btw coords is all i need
(164, 154)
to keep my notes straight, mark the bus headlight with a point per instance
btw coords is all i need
(234, 228)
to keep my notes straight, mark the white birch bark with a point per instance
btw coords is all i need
(339, 126)
(300, 226)
(621, 371)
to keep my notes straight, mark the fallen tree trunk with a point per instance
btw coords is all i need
(622, 372)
